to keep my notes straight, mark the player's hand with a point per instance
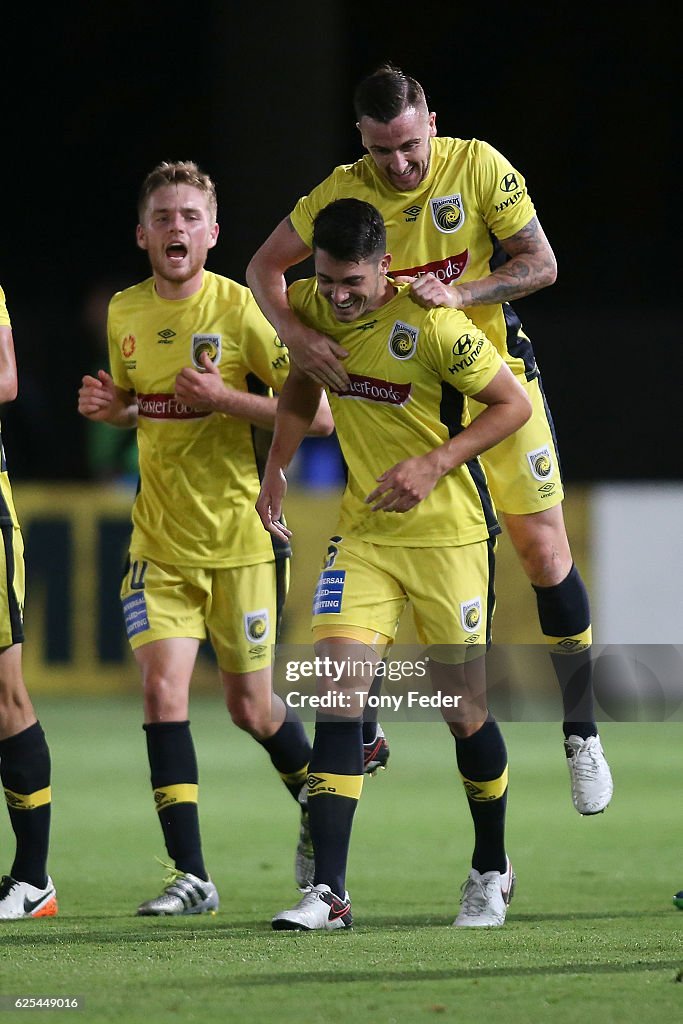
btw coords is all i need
(405, 485)
(201, 389)
(429, 292)
(96, 396)
(319, 357)
(269, 502)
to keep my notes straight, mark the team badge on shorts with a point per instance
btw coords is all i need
(470, 615)
(257, 626)
(403, 340)
(541, 462)
(206, 343)
(448, 213)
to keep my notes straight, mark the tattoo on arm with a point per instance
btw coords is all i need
(531, 267)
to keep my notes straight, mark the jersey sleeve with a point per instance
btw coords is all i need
(264, 354)
(458, 352)
(503, 197)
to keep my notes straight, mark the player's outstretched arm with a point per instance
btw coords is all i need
(407, 483)
(314, 353)
(99, 399)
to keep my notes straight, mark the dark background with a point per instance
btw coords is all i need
(583, 103)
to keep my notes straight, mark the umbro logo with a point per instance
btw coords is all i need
(166, 336)
(413, 212)
(366, 327)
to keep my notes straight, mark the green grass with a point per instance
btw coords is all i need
(591, 933)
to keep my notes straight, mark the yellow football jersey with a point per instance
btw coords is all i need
(409, 369)
(448, 225)
(199, 475)
(7, 510)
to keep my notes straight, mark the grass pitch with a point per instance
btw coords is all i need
(591, 934)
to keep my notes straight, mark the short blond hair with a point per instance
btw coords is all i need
(177, 172)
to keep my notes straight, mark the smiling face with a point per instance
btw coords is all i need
(401, 148)
(352, 289)
(176, 232)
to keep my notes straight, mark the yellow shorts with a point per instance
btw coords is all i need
(12, 586)
(523, 471)
(366, 587)
(238, 608)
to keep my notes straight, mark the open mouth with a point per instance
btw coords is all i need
(176, 251)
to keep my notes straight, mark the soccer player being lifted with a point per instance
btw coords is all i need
(415, 513)
(460, 222)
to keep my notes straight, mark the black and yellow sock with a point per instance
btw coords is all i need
(289, 750)
(175, 781)
(483, 765)
(370, 714)
(564, 614)
(25, 773)
(335, 782)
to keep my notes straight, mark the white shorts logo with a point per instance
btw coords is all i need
(257, 626)
(541, 462)
(470, 615)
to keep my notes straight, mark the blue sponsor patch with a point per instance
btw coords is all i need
(329, 592)
(135, 614)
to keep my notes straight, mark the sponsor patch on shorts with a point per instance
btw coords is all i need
(329, 592)
(135, 614)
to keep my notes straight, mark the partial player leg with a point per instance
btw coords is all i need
(25, 771)
(541, 543)
(482, 761)
(257, 710)
(335, 782)
(166, 667)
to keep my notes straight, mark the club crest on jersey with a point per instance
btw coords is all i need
(448, 213)
(470, 615)
(403, 340)
(206, 343)
(540, 462)
(256, 626)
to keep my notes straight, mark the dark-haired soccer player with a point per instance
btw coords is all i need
(460, 221)
(399, 426)
(25, 769)
(193, 366)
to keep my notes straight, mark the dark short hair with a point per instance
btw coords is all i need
(386, 93)
(350, 230)
(177, 172)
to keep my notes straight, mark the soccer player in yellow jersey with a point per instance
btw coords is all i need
(460, 222)
(399, 427)
(193, 367)
(25, 768)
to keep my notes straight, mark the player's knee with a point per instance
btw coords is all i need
(545, 556)
(248, 714)
(164, 701)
